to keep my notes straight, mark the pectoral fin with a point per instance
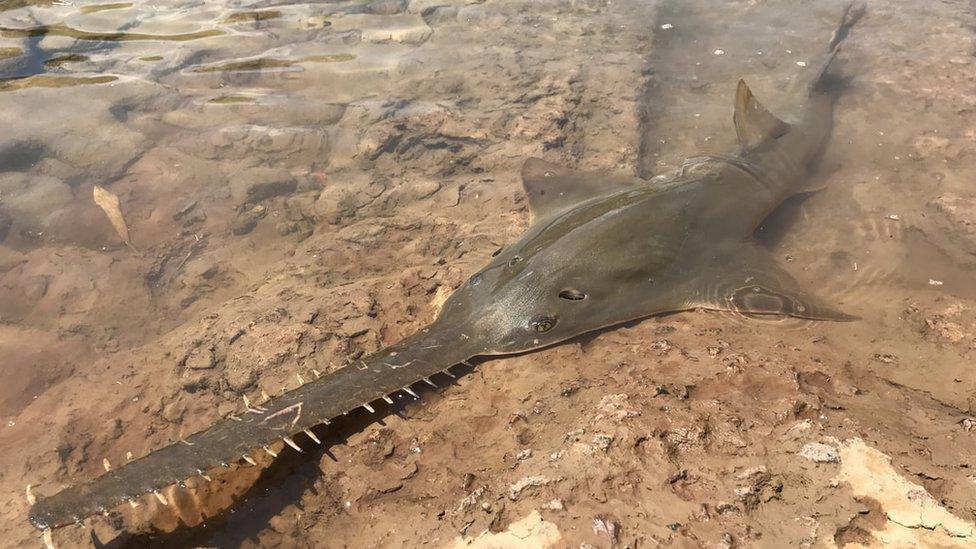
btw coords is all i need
(552, 188)
(751, 283)
(753, 123)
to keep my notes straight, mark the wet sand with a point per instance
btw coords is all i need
(304, 183)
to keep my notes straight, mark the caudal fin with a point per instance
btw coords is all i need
(851, 15)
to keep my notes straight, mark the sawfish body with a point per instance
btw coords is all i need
(602, 250)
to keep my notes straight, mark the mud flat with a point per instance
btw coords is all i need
(304, 183)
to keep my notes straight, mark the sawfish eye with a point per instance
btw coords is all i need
(542, 324)
(572, 295)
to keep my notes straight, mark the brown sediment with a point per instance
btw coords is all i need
(59, 60)
(8, 52)
(52, 81)
(231, 99)
(273, 63)
(249, 65)
(64, 30)
(251, 16)
(332, 58)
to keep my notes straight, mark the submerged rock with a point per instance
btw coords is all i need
(256, 185)
(247, 220)
(407, 28)
(386, 7)
(345, 197)
(515, 490)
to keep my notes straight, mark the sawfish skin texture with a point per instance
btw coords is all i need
(602, 250)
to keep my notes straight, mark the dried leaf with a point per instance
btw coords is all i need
(109, 203)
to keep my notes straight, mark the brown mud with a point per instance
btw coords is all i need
(303, 183)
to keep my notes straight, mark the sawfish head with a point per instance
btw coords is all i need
(565, 276)
(501, 314)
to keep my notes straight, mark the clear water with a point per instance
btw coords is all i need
(302, 183)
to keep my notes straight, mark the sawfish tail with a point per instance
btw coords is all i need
(818, 78)
(786, 146)
(414, 359)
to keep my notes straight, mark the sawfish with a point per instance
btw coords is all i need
(601, 250)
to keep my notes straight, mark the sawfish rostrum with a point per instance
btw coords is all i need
(601, 250)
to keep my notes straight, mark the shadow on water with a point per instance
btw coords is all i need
(653, 102)
(18, 156)
(777, 224)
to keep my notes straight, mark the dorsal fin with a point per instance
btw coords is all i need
(753, 123)
(552, 187)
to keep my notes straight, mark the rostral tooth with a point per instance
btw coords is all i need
(291, 443)
(312, 436)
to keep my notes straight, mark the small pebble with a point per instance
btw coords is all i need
(820, 453)
(603, 441)
(724, 508)
(555, 505)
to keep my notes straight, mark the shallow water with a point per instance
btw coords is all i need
(304, 183)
